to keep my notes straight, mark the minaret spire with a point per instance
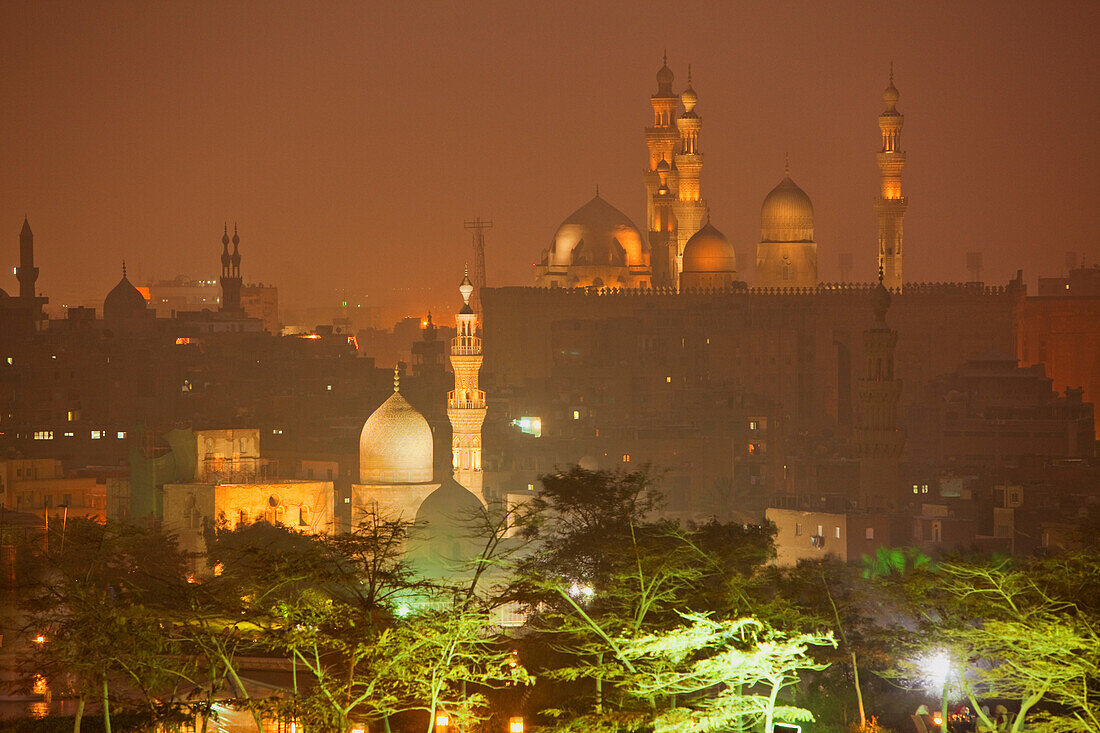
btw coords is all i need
(890, 206)
(466, 402)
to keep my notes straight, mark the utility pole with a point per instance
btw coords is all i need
(478, 227)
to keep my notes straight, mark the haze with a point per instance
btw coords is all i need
(350, 140)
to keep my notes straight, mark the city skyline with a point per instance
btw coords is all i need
(329, 137)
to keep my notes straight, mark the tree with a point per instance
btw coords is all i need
(1006, 632)
(711, 667)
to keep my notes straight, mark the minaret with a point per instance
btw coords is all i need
(690, 207)
(26, 273)
(466, 403)
(878, 440)
(231, 272)
(662, 141)
(890, 205)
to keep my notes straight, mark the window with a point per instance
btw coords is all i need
(797, 530)
(328, 387)
(71, 413)
(668, 380)
(43, 435)
(869, 533)
(576, 414)
(936, 531)
(120, 434)
(819, 532)
(626, 458)
(97, 434)
(754, 424)
(837, 532)
(530, 487)
(347, 499)
(69, 434)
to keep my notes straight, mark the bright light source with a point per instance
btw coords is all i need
(40, 639)
(515, 725)
(581, 591)
(442, 719)
(937, 718)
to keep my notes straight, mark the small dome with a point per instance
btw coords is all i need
(665, 77)
(787, 214)
(663, 165)
(444, 538)
(690, 99)
(708, 250)
(124, 301)
(597, 234)
(395, 446)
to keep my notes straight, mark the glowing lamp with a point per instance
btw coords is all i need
(442, 719)
(515, 725)
(40, 639)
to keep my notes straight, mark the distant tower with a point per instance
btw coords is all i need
(878, 440)
(890, 205)
(26, 273)
(675, 209)
(690, 208)
(478, 227)
(466, 403)
(231, 272)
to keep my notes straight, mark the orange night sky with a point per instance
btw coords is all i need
(351, 139)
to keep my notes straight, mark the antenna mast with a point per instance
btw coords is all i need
(478, 227)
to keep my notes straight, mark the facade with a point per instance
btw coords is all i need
(813, 536)
(41, 487)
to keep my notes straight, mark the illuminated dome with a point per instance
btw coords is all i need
(890, 96)
(124, 301)
(395, 446)
(787, 214)
(708, 250)
(597, 234)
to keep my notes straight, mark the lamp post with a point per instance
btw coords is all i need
(64, 524)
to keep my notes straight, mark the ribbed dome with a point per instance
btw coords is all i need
(787, 214)
(395, 446)
(708, 250)
(124, 301)
(597, 234)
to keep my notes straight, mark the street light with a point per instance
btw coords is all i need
(515, 724)
(442, 722)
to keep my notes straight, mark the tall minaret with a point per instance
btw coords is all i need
(690, 207)
(662, 141)
(466, 403)
(878, 440)
(231, 272)
(890, 205)
(26, 273)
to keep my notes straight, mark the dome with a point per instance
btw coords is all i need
(665, 78)
(690, 99)
(890, 96)
(708, 250)
(597, 234)
(395, 446)
(445, 536)
(787, 214)
(124, 301)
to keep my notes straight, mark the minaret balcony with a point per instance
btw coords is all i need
(466, 346)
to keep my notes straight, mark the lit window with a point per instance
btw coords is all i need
(347, 499)
(70, 415)
(97, 434)
(328, 387)
(69, 434)
(924, 488)
(120, 434)
(797, 530)
(754, 425)
(837, 532)
(530, 487)
(626, 458)
(819, 532)
(916, 489)
(668, 380)
(43, 435)
(9, 360)
(576, 414)
(869, 533)
(277, 431)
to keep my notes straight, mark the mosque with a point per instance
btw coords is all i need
(597, 246)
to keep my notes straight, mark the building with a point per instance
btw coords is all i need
(815, 535)
(41, 486)
(787, 254)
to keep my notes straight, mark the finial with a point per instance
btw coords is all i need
(891, 71)
(708, 213)
(597, 190)
(787, 164)
(124, 269)
(881, 274)
(396, 378)
(236, 239)
(665, 59)
(689, 75)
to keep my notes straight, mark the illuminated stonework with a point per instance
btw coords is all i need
(787, 254)
(395, 445)
(890, 205)
(596, 246)
(710, 261)
(466, 402)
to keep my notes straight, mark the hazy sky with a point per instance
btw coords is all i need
(350, 140)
